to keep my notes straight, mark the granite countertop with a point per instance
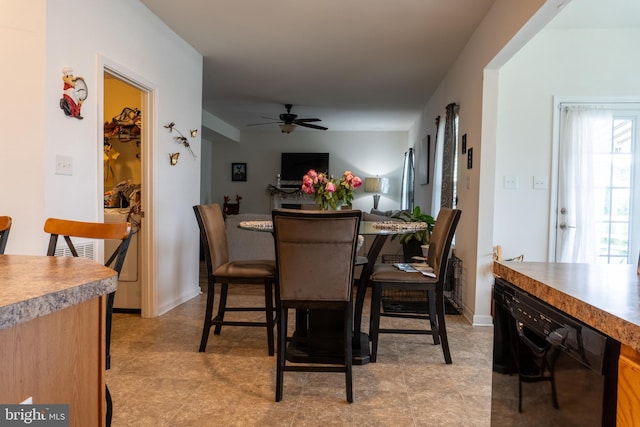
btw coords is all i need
(606, 297)
(33, 286)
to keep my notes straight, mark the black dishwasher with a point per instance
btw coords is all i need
(549, 369)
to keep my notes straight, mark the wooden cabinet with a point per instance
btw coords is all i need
(628, 409)
(59, 359)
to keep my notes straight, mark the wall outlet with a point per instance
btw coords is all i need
(510, 182)
(539, 182)
(64, 165)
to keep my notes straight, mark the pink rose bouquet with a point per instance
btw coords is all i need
(328, 193)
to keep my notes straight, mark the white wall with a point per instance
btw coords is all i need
(580, 62)
(463, 85)
(22, 145)
(364, 153)
(40, 38)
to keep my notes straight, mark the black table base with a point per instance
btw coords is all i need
(322, 344)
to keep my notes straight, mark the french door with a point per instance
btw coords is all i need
(598, 205)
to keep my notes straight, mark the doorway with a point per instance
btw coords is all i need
(598, 194)
(122, 180)
(136, 148)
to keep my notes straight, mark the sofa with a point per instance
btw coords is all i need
(246, 244)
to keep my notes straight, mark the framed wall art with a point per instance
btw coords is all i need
(238, 171)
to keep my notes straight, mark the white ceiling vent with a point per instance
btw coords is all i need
(85, 249)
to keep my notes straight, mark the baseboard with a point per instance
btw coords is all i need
(482, 320)
(190, 294)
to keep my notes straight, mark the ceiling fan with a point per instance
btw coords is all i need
(288, 121)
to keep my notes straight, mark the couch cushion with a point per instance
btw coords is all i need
(245, 244)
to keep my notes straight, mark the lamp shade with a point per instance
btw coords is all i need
(376, 185)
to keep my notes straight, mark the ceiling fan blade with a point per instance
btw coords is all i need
(307, 120)
(308, 125)
(259, 124)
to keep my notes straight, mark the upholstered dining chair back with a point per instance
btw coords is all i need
(95, 231)
(212, 226)
(315, 253)
(5, 227)
(315, 257)
(440, 243)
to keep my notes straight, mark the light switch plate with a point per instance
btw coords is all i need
(64, 165)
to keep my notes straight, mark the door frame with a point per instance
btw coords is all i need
(555, 146)
(147, 266)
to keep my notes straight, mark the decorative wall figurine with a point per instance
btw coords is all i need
(173, 158)
(74, 93)
(181, 139)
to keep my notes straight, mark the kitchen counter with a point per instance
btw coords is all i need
(34, 286)
(606, 297)
(52, 333)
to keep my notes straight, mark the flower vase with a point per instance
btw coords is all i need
(328, 207)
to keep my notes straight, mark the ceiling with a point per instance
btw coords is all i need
(355, 64)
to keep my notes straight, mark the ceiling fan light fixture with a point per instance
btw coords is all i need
(287, 127)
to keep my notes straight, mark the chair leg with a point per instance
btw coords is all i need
(109, 407)
(374, 323)
(442, 327)
(348, 352)
(281, 354)
(208, 315)
(221, 307)
(433, 316)
(268, 303)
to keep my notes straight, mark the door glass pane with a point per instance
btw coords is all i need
(620, 205)
(622, 135)
(621, 168)
(602, 202)
(619, 239)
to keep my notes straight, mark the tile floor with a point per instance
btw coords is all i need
(158, 377)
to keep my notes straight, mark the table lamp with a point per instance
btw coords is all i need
(376, 185)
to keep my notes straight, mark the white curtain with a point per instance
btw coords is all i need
(406, 192)
(579, 128)
(421, 161)
(436, 194)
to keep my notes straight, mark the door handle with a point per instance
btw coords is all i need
(564, 226)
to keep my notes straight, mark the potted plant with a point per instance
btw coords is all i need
(412, 242)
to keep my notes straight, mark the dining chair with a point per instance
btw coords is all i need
(94, 231)
(5, 227)
(221, 270)
(315, 255)
(387, 276)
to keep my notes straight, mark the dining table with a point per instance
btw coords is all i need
(320, 320)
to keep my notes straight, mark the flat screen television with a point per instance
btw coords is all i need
(293, 166)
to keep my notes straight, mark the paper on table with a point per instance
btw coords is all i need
(423, 268)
